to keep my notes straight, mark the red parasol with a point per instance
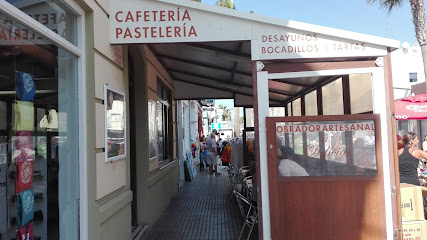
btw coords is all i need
(412, 107)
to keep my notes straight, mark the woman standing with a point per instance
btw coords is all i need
(203, 153)
(409, 158)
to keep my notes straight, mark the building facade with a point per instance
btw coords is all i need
(408, 69)
(409, 79)
(63, 52)
(89, 121)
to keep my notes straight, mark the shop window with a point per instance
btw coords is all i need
(249, 117)
(3, 119)
(296, 107)
(312, 147)
(332, 98)
(333, 148)
(289, 109)
(152, 136)
(311, 104)
(413, 77)
(38, 133)
(54, 15)
(298, 143)
(277, 112)
(361, 93)
(164, 120)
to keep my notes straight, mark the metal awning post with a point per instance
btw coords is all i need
(262, 114)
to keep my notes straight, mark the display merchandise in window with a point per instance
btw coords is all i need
(163, 119)
(38, 135)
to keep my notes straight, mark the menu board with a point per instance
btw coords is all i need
(115, 124)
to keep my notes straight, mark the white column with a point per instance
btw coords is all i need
(263, 105)
(379, 104)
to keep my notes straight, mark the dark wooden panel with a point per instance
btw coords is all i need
(332, 210)
(329, 207)
(394, 161)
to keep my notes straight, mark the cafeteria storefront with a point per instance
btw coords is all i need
(353, 197)
(111, 159)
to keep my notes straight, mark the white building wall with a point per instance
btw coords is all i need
(188, 123)
(194, 127)
(405, 61)
(180, 141)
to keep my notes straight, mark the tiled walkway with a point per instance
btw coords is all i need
(202, 210)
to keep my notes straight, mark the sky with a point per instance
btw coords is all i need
(226, 102)
(229, 104)
(352, 15)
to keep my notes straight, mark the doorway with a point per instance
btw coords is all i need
(137, 111)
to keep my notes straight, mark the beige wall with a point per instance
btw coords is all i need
(110, 176)
(155, 71)
(108, 193)
(156, 184)
(119, 226)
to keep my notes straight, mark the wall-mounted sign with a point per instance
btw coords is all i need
(115, 124)
(118, 52)
(275, 42)
(216, 126)
(142, 21)
(302, 128)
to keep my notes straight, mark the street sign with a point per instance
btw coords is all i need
(216, 126)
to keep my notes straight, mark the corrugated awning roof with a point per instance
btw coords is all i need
(222, 70)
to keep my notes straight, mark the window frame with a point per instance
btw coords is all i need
(167, 135)
(79, 52)
(411, 74)
(271, 123)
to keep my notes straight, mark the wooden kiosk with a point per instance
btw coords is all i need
(323, 77)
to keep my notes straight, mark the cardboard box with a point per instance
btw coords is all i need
(414, 230)
(411, 202)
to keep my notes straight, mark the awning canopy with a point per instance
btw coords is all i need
(209, 50)
(412, 107)
(221, 70)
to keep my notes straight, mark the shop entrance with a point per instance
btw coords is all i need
(262, 64)
(326, 176)
(199, 71)
(326, 173)
(339, 93)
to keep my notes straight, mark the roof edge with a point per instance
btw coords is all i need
(334, 32)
